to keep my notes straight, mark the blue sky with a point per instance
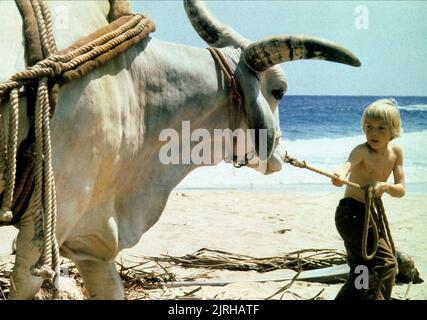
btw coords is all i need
(390, 38)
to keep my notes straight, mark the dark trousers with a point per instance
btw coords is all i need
(349, 220)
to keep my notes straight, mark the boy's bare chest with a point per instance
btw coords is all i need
(378, 167)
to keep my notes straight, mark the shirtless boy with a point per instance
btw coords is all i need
(370, 163)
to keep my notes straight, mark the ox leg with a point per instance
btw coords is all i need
(23, 284)
(101, 280)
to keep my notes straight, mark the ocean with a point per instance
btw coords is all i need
(323, 130)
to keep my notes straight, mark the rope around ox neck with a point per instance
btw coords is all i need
(234, 95)
(374, 210)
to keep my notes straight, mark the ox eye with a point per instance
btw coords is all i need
(278, 94)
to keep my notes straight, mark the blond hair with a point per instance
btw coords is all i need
(384, 110)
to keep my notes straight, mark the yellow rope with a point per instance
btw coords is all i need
(5, 214)
(44, 23)
(44, 171)
(50, 39)
(10, 157)
(374, 210)
(45, 216)
(58, 64)
(369, 219)
(3, 148)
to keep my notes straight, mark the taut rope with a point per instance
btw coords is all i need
(374, 210)
(56, 67)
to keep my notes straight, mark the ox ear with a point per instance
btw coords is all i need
(261, 119)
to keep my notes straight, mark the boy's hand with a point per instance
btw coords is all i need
(337, 180)
(379, 189)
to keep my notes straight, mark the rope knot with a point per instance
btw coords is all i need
(51, 64)
(294, 162)
(44, 272)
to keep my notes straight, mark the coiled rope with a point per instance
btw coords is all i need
(43, 204)
(375, 215)
(55, 65)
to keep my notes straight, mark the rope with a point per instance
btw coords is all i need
(5, 214)
(11, 149)
(43, 203)
(374, 210)
(371, 217)
(3, 148)
(232, 84)
(58, 64)
(304, 165)
(44, 23)
(45, 217)
(49, 30)
(234, 93)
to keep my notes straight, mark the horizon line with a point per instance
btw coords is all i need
(356, 95)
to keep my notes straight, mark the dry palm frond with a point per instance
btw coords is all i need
(307, 259)
(5, 272)
(134, 277)
(138, 283)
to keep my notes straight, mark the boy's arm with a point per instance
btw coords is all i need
(342, 172)
(398, 188)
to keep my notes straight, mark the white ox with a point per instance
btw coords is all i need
(111, 186)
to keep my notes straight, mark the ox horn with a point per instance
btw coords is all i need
(210, 29)
(261, 55)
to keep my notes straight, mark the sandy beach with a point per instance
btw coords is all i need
(261, 224)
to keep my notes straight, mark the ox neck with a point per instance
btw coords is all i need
(189, 87)
(188, 94)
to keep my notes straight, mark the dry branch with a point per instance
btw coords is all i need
(138, 282)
